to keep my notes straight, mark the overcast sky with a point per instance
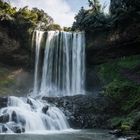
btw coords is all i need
(62, 11)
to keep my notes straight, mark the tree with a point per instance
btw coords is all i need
(95, 5)
(90, 19)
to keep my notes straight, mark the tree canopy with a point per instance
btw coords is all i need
(122, 12)
(24, 17)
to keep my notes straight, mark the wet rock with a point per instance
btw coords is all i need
(133, 138)
(18, 119)
(117, 133)
(3, 128)
(16, 128)
(3, 102)
(14, 117)
(4, 118)
(29, 102)
(45, 109)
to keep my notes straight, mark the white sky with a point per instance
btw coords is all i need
(62, 11)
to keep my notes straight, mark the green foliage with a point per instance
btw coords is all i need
(122, 14)
(111, 71)
(95, 5)
(118, 6)
(91, 19)
(54, 27)
(127, 122)
(5, 8)
(67, 29)
(124, 92)
(123, 123)
(24, 18)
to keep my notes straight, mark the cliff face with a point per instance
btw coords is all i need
(11, 50)
(15, 60)
(104, 46)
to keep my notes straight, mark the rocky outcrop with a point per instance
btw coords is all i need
(82, 111)
(4, 118)
(45, 109)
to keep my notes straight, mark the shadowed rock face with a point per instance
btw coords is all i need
(4, 118)
(3, 102)
(82, 111)
(11, 50)
(96, 56)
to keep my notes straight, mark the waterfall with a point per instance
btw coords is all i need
(63, 73)
(63, 70)
(38, 37)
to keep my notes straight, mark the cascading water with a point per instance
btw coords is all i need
(29, 115)
(63, 72)
(39, 35)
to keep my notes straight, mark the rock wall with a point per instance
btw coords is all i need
(16, 76)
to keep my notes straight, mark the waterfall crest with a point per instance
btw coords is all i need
(63, 69)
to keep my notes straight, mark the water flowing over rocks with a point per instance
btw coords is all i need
(18, 115)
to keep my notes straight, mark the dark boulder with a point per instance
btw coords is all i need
(14, 117)
(29, 102)
(16, 128)
(3, 128)
(3, 102)
(4, 118)
(45, 109)
(117, 133)
(18, 119)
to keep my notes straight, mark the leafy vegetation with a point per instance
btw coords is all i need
(25, 18)
(122, 91)
(122, 13)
